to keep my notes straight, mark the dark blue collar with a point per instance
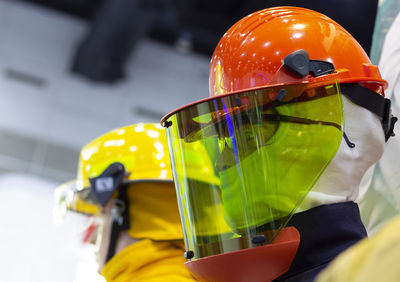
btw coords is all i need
(325, 231)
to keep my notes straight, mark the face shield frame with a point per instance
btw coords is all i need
(210, 119)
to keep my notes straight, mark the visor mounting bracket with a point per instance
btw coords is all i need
(299, 64)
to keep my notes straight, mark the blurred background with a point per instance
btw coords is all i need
(71, 70)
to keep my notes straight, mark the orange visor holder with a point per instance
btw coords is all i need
(258, 264)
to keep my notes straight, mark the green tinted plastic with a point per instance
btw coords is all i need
(261, 153)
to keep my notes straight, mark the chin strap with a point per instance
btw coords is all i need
(120, 220)
(373, 102)
(103, 187)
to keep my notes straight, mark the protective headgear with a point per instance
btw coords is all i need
(271, 127)
(108, 165)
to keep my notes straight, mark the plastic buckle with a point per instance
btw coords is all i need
(299, 64)
(388, 121)
(117, 211)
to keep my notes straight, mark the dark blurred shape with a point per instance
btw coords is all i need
(208, 20)
(117, 26)
(188, 24)
(26, 78)
(78, 8)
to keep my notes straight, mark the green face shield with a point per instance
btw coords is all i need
(262, 151)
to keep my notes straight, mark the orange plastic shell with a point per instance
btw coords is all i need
(257, 264)
(249, 56)
(251, 51)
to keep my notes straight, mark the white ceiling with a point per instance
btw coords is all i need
(49, 114)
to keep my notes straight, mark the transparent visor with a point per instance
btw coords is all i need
(67, 197)
(262, 151)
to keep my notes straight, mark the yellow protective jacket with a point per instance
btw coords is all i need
(373, 259)
(149, 261)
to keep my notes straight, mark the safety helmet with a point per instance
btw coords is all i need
(140, 149)
(251, 52)
(272, 124)
(133, 157)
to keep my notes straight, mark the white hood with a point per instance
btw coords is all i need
(341, 180)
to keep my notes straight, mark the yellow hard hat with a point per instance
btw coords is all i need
(140, 148)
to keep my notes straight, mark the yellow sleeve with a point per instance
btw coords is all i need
(172, 269)
(373, 259)
(149, 261)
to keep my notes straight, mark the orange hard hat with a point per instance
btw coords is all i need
(251, 52)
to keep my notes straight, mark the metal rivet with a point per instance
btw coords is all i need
(189, 254)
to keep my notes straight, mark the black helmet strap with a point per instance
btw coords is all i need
(120, 219)
(104, 186)
(299, 64)
(373, 102)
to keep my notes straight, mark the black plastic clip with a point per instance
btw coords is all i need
(318, 68)
(117, 211)
(300, 65)
(107, 182)
(167, 123)
(388, 121)
(258, 240)
(189, 254)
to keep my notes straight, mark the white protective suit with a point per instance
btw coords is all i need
(380, 189)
